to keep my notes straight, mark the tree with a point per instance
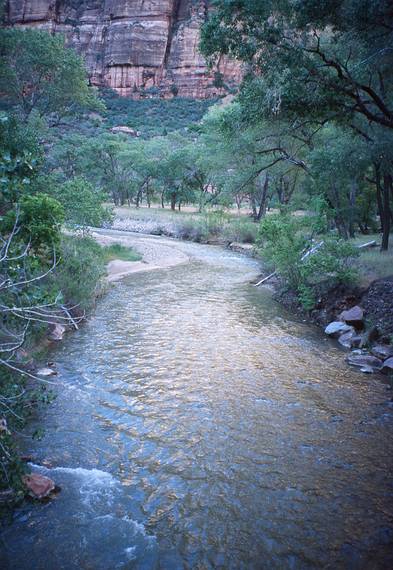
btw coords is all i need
(39, 74)
(310, 60)
(312, 66)
(82, 203)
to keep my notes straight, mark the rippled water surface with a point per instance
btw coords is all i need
(198, 426)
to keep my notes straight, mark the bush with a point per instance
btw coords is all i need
(285, 240)
(119, 251)
(82, 203)
(80, 270)
(242, 231)
(39, 217)
(193, 230)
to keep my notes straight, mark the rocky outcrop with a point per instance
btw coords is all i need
(137, 47)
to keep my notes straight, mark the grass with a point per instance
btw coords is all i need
(214, 224)
(372, 263)
(119, 251)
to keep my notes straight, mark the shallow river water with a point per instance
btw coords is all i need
(199, 426)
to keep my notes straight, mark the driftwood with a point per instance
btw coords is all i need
(265, 279)
(304, 256)
(372, 243)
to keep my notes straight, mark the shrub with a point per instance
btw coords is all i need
(82, 203)
(242, 231)
(286, 240)
(119, 251)
(39, 217)
(192, 229)
(80, 270)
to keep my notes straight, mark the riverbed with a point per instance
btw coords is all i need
(200, 426)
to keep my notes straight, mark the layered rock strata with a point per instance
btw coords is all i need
(137, 47)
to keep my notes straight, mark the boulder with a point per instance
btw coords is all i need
(346, 339)
(57, 332)
(356, 340)
(353, 316)
(337, 328)
(46, 372)
(387, 367)
(38, 486)
(365, 361)
(382, 351)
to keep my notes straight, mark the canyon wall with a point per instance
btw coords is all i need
(137, 47)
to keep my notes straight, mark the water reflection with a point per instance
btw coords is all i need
(233, 436)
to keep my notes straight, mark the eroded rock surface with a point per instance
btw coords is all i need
(38, 486)
(134, 46)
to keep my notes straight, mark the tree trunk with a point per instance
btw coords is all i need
(173, 200)
(253, 207)
(352, 205)
(387, 187)
(162, 199)
(262, 203)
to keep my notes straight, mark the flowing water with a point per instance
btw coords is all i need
(199, 426)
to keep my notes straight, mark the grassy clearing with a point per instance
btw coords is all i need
(374, 264)
(119, 251)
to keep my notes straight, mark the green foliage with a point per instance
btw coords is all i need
(20, 156)
(306, 265)
(151, 116)
(81, 267)
(40, 217)
(241, 231)
(82, 203)
(39, 74)
(119, 251)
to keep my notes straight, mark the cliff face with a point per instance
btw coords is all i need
(133, 46)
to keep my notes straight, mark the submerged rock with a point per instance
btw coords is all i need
(337, 328)
(46, 372)
(365, 361)
(353, 316)
(57, 332)
(38, 486)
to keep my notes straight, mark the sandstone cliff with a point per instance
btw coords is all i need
(133, 46)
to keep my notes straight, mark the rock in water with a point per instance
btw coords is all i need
(57, 332)
(353, 316)
(365, 361)
(46, 372)
(337, 328)
(387, 367)
(38, 486)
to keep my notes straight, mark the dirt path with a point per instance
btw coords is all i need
(157, 252)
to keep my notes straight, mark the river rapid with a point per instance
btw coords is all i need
(200, 426)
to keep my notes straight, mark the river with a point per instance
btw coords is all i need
(200, 426)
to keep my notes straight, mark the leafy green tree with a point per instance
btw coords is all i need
(39, 74)
(309, 59)
(83, 204)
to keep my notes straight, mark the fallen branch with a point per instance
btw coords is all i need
(265, 279)
(372, 243)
